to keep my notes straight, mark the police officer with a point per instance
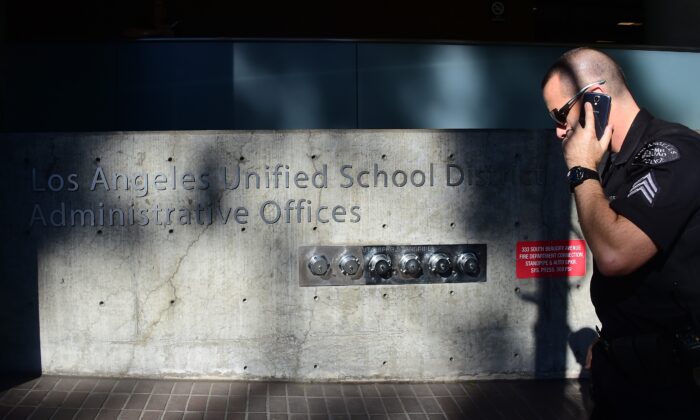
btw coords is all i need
(641, 219)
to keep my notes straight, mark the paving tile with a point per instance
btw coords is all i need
(238, 388)
(182, 388)
(43, 413)
(33, 398)
(339, 417)
(104, 385)
(237, 403)
(359, 417)
(86, 414)
(4, 409)
(144, 387)
(332, 390)
(336, 405)
(314, 390)
(298, 417)
(115, 401)
(217, 403)
(257, 416)
(393, 405)
(369, 390)
(151, 415)
(124, 386)
(46, 383)
(105, 414)
(157, 402)
(94, 400)
(351, 390)
(13, 396)
(448, 405)
(235, 416)
(278, 416)
(318, 417)
(163, 387)
(404, 390)
(298, 405)
(411, 405)
(374, 406)
(258, 388)
(28, 384)
(398, 416)
(66, 384)
(215, 415)
(85, 385)
(201, 388)
(65, 414)
(317, 406)
(455, 389)
(439, 390)
(54, 398)
(197, 403)
(173, 415)
(220, 388)
(430, 405)
(20, 413)
(257, 404)
(277, 404)
(177, 403)
(193, 416)
(295, 390)
(355, 405)
(137, 402)
(386, 390)
(422, 390)
(414, 416)
(130, 415)
(277, 389)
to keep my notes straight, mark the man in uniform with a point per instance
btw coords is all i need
(641, 219)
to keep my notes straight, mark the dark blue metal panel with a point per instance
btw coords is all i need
(295, 85)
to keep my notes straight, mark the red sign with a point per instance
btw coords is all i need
(551, 259)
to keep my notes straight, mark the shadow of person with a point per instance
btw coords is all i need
(579, 342)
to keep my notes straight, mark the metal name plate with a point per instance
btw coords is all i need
(391, 264)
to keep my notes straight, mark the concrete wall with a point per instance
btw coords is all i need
(223, 300)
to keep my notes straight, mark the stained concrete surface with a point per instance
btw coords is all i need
(216, 295)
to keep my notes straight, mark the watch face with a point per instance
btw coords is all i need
(575, 174)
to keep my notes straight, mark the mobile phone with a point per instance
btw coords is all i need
(601, 110)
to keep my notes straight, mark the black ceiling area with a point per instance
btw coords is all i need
(644, 23)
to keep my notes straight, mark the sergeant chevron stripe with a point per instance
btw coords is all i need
(645, 185)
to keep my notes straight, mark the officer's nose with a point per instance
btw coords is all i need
(561, 132)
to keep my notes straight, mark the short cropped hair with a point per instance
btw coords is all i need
(584, 65)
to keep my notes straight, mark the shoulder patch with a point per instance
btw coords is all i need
(656, 153)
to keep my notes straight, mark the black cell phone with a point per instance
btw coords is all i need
(601, 111)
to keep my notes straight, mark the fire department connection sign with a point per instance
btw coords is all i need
(551, 259)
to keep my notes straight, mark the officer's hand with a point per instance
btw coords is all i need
(589, 354)
(582, 147)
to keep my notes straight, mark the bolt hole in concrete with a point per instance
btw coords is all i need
(170, 159)
(452, 224)
(97, 159)
(170, 231)
(384, 226)
(172, 302)
(452, 359)
(315, 366)
(384, 363)
(245, 300)
(578, 286)
(452, 292)
(313, 156)
(242, 229)
(517, 224)
(315, 228)
(452, 156)
(242, 158)
(384, 157)
(515, 355)
(517, 290)
(245, 367)
(315, 297)
(385, 296)
(102, 303)
(99, 232)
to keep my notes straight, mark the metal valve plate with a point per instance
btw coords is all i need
(392, 264)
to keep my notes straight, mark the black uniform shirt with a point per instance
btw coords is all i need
(654, 181)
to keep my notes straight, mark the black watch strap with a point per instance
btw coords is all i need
(578, 174)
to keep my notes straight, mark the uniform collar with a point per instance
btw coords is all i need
(634, 136)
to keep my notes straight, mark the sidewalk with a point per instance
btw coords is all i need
(59, 398)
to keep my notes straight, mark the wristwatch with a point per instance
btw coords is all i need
(578, 174)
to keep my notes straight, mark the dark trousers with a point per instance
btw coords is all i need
(623, 389)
